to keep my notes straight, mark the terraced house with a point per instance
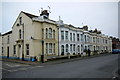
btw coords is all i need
(32, 36)
(76, 40)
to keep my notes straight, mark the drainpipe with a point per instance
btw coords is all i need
(58, 41)
(42, 56)
(23, 43)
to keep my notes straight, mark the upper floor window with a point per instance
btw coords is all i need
(27, 49)
(20, 34)
(53, 34)
(85, 38)
(2, 40)
(42, 33)
(20, 19)
(62, 35)
(93, 39)
(106, 41)
(103, 40)
(81, 37)
(66, 35)
(8, 39)
(46, 33)
(70, 36)
(50, 33)
(73, 36)
(77, 37)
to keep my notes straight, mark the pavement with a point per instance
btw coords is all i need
(101, 66)
(52, 61)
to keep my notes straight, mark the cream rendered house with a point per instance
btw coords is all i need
(0, 44)
(31, 36)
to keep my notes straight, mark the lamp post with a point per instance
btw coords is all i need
(42, 56)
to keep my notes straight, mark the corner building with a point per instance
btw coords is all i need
(31, 36)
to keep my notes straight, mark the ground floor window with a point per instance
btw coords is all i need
(50, 47)
(27, 49)
(78, 48)
(14, 49)
(2, 50)
(74, 47)
(81, 47)
(67, 47)
(54, 48)
(46, 48)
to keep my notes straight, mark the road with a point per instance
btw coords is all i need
(97, 67)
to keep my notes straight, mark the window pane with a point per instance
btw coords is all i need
(27, 49)
(66, 47)
(53, 34)
(50, 47)
(19, 34)
(66, 35)
(46, 48)
(14, 49)
(50, 33)
(74, 47)
(73, 36)
(77, 37)
(42, 33)
(46, 33)
(62, 35)
(70, 36)
(70, 47)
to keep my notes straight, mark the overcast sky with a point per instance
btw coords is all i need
(101, 15)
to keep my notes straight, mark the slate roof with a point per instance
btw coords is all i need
(29, 15)
(9, 32)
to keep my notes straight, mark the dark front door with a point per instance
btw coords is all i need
(7, 52)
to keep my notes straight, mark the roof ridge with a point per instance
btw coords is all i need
(29, 14)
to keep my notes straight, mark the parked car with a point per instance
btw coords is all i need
(116, 51)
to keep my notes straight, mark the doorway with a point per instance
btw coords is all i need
(20, 51)
(7, 52)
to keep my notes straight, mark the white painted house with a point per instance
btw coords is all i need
(75, 40)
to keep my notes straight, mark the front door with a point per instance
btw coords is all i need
(20, 52)
(62, 50)
(7, 52)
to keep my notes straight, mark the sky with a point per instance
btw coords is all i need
(100, 15)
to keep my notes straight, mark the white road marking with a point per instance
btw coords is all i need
(23, 68)
(15, 65)
(39, 66)
(35, 67)
(7, 70)
(13, 70)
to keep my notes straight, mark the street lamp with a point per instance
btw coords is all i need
(42, 56)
